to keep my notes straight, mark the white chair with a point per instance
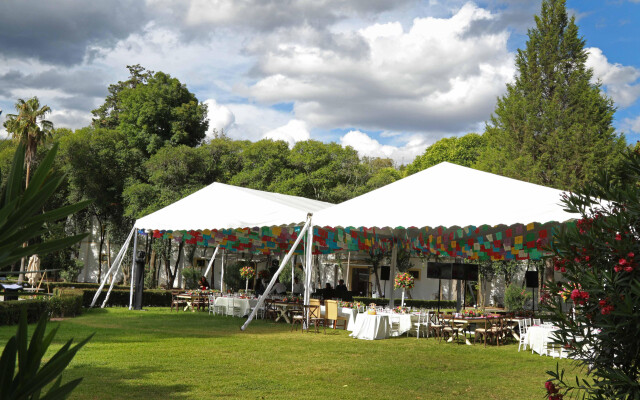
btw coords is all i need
(217, 309)
(536, 321)
(261, 311)
(423, 321)
(232, 309)
(395, 325)
(523, 334)
(212, 303)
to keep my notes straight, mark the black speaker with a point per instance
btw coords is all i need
(531, 279)
(384, 273)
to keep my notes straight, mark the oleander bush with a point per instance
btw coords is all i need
(599, 257)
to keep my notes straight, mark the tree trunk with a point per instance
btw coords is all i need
(22, 260)
(171, 275)
(375, 273)
(548, 271)
(100, 254)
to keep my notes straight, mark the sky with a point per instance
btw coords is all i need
(388, 77)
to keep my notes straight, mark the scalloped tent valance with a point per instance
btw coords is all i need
(448, 194)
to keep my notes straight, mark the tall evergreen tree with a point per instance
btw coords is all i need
(553, 126)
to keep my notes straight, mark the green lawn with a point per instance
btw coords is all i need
(160, 354)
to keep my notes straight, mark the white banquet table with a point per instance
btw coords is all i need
(371, 327)
(244, 304)
(538, 336)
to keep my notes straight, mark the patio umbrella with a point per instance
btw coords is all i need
(34, 265)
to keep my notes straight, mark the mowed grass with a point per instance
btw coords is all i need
(157, 354)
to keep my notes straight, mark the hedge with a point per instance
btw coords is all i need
(150, 298)
(10, 310)
(431, 304)
(66, 303)
(81, 285)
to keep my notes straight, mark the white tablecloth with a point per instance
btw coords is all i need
(538, 336)
(244, 304)
(348, 313)
(404, 322)
(371, 327)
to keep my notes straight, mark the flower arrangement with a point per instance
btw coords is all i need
(404, 280)
(400, 310)
(472, 313)
(264, 274)
(247, 272)
(356, 305)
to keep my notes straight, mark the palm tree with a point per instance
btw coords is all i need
(29, 127)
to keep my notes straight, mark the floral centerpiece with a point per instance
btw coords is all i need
(247, 272)
(356, 305)
(472, 313)
(400, 310)
(405, 281)
(372, 309)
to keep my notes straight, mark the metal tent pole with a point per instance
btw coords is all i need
(133, 269)
(275, 276)
(114, 266)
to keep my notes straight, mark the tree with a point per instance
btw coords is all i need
(599, 258)
(153, 110)
(377, 254)
(463, 150)
(108, 114)
(98, 162)
(29, 127)
(160, 112)
(553, 126)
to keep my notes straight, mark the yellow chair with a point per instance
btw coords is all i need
(331, 313)
(315, 316)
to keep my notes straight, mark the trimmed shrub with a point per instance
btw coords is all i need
(10, 310)
(150, 298)
(81, 285)
(66, 303)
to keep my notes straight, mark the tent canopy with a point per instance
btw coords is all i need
(221, 206)
(448, 195)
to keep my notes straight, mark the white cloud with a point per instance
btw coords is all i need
(294, 131)
(367, 146)
(632, 124)
(220, 117)
(72, 119)
(433, 77)
(620, 81)
(253, 121)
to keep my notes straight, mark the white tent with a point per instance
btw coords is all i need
(224, 206)
(221, 206)
(448, 195)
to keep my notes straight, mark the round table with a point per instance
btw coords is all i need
(371, 327)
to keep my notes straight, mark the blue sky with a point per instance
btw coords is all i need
(388, 77)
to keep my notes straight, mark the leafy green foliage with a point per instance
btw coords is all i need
(191, 277)
(599, 258)
(515, 297)
(463, 150)
(21, 218)
(71, 270)
(31, 378)
(553, 126)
